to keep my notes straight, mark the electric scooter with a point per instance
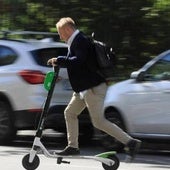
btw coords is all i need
(31, 161)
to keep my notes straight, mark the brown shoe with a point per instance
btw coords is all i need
(69, 151)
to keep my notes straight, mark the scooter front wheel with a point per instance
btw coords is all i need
(112, 167)
(30, 165)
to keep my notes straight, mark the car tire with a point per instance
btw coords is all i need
(7, 130)
(86, 134)
(108, 142)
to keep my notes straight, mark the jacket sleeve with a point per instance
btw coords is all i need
(62, 61)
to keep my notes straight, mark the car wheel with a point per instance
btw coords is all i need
(7, 130)
(86, 134)
(107, 141)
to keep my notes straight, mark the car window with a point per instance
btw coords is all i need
(7, 56)
(41, 56)
(160, 70)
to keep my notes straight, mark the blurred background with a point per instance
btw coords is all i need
(137, 30)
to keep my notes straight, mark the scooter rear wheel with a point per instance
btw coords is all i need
(30, 165)
(112, 167)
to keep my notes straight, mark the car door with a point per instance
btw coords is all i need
(149, 103)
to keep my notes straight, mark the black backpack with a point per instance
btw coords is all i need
(106, 59)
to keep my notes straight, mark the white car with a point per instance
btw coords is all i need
(23, 65)
(141, 105)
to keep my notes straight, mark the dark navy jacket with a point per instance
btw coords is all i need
(78, 60)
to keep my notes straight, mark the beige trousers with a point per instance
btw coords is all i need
(93, 99)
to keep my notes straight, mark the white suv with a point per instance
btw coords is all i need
(23, 65)
(141, 105)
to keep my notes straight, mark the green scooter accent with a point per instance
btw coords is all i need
(106, 154)
(48, 80)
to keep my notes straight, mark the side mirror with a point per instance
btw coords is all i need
(138, 75)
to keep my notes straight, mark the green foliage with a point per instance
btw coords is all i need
(137, 30)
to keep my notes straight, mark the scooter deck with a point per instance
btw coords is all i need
(102, 157)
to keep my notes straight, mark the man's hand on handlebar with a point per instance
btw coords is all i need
(52, 61)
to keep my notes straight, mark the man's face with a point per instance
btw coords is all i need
(64, 33)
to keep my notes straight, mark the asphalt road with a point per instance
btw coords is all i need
(11, 158)
(149, 158)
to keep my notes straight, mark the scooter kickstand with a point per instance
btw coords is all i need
(60, 160)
